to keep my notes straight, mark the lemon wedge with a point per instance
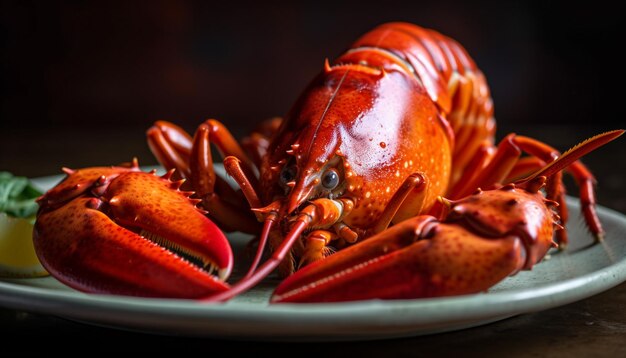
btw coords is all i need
(17, 216)
(17, 255)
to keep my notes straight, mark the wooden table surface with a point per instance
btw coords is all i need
(592, 327)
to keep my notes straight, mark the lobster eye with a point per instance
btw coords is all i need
(287, 174)
(330, 180)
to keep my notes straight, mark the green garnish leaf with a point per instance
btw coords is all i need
(17, 196)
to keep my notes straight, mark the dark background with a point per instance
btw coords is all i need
(82, 81)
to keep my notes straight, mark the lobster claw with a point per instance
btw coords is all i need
(131, 233)
(416, 258)
(482, 239)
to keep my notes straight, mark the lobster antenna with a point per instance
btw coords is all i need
(573, 154)
(265, 269)
(267, 227)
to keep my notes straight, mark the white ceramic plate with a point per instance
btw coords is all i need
(581, 271)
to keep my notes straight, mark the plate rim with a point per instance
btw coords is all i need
(464, 311)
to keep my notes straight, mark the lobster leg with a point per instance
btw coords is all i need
(525, 166)
(482, 157)
(506, 164)
(497, 170)
(232, 215)
(408, 201)
(258, 141)
(233, 168)
(316, 246)
(214, 132)
(581, 174)
(171, 145)
(192, 157)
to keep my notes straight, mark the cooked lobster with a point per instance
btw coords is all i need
(401, 119)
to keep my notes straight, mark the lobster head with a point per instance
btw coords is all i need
(342, 139)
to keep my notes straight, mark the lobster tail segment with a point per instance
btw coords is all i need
(439, 62)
